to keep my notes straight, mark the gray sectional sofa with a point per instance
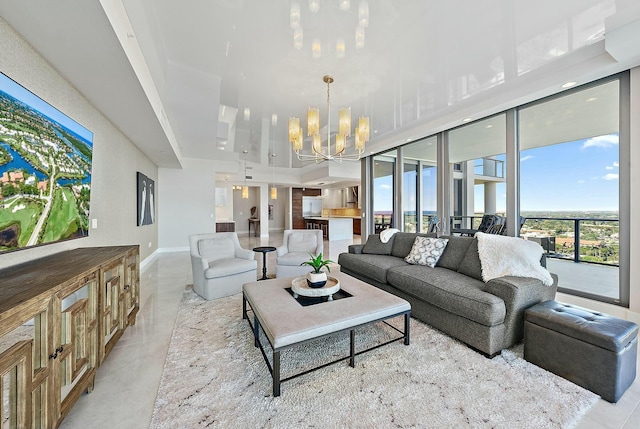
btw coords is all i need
(452, 296)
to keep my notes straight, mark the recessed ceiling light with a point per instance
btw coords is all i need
(592, 98)
(489, 126)
(466, 120)
(568, 84)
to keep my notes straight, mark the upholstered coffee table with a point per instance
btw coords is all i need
(286, 322)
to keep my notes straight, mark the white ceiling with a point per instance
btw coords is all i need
(176, 76)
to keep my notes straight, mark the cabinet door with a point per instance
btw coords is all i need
(24, 370)
(112, 306)
(131, 289)
(75, 350)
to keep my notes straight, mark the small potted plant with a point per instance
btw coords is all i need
(317, 278)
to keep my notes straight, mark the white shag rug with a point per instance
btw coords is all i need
(215, 377)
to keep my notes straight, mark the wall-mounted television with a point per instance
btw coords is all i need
(45, 171)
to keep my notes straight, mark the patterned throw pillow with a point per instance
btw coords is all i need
(426, 251)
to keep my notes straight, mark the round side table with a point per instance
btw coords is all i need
(264, 250)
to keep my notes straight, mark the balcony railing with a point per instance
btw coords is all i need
(489, 167)
(591, 240)
(578, 239)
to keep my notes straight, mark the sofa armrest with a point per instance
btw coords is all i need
(245, 254)
(282, 250)
(356, 248)
(518, 294)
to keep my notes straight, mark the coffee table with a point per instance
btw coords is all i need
(287, 323)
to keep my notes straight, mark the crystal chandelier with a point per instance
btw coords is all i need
(335, 152)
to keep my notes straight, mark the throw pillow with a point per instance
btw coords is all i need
(374, 246)
(403, 242)
(426, 251)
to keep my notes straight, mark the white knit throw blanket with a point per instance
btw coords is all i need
(510, 256)
(386, 234)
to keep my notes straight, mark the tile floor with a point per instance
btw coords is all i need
(127, 383)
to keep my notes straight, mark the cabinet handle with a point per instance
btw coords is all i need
(55, 354)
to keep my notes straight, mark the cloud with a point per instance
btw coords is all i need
(581, 181)
(604, 142)
(526, 158)
(614, 166)
(384, 187)
(610, 176)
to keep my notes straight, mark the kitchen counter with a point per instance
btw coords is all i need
(333, 228)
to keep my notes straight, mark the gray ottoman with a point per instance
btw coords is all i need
(591, 349)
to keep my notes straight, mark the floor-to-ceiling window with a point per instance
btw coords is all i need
(420, 169)
(478, 180)
(569, 186)
(410, 196)
(383, 191)
(568, 156)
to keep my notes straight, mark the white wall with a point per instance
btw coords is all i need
(280, 208)
(115, 159)
(242, 209)
(187, 202)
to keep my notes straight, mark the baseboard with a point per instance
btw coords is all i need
(144, 264)
(173, 249)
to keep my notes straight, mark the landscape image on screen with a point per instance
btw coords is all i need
(45, 171)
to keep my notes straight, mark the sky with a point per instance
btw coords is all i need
(576, 176)
(19, 92)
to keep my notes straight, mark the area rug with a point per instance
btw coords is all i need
(215, 377)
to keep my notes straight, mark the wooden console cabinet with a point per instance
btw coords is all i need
(60, 316)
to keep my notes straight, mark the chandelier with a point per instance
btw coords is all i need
(335, 152)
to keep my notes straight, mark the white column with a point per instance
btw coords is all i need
(490, 197)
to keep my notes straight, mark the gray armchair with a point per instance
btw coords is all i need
(296, 246)
(220, 266)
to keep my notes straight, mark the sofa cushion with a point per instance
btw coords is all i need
(403, 242)
(216, 248)
(426, 251)
(470, 264)
(303, 242)
(451, 291)
(454, 252)
(373, 266)
(228, 267)
(374, 246)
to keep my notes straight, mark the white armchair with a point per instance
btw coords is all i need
(220, 266)
(297, 244)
